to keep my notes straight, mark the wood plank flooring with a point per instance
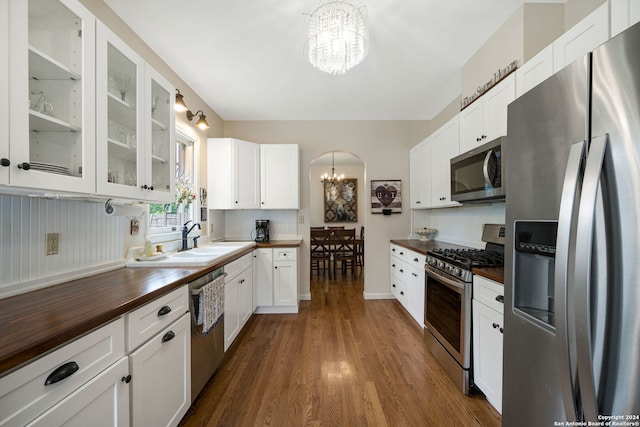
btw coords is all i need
(342, 361)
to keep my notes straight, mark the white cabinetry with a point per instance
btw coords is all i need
(52, 92)
(420, 174)
(233, 174)
(276, 287)
(407, 280)
(585, 36)
(535, 71)
(159, 342)
(36, 389)
(279, 176)
(238, 297)
(624, 13)
(161, 371)
(444, 146)
(4, 93)
(486, 118)
(135, 122)
(488, 328)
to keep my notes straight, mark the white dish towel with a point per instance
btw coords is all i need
(211, 307)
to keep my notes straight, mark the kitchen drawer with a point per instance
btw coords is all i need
(416, 259)
(398, 268)
(284, 254)
(399, 252)
(151, 318)
(489, 293)
(23, 393)
(236, 267)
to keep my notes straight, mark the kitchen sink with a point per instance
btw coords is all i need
(197, 257)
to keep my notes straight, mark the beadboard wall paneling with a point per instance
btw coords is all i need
(241, 224)
(88, 238)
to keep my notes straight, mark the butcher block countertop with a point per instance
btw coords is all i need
(36, 322)
(494, 273)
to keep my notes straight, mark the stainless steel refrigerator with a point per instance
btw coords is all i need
(572, 264)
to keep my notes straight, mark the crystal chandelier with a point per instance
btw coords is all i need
(338, 37)
(326, 178)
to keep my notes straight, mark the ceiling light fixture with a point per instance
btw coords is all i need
(338, 37)
(180, 107)
(326, 178)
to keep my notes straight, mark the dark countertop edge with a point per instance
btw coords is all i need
(493, 273)
(423, 246)
(280, 244)
(36, 347)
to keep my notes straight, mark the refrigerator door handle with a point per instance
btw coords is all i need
(584, 239)
(570, 189)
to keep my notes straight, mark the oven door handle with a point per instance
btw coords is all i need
(449, 283)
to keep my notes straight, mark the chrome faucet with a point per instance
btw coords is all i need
(185, 233)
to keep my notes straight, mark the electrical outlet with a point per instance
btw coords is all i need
(301, 219)
(53, 240)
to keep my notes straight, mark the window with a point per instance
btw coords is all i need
(164, 217)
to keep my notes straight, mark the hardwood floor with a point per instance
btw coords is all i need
(342, 361)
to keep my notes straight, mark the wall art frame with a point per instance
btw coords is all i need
(341, 200)
(386, 196)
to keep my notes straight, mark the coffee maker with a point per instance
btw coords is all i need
(262, 230)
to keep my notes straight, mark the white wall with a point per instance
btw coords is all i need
(241, 224)
(89, 241)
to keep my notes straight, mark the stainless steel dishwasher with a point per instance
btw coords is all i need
(207, 350)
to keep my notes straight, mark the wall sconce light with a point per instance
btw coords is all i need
(180, 107)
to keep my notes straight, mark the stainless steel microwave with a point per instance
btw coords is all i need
(478, 175)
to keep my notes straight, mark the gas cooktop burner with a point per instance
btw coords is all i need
(469, 258)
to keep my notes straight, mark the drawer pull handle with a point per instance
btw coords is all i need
(416, 260)
(495, 326)
(502, 330)
(414, 274)
(164, 310)
(500, 298)
(126, 379)
(61, 373)
(168, 336)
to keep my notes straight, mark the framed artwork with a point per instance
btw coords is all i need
(341, 200)
(386, 196)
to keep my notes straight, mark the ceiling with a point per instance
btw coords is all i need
(245, 58)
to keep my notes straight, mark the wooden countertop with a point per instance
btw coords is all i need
(36, 322)
(280, 244)
(422, 246)
(494, 273)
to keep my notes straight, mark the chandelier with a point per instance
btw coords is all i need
(338, 37)
(333, 178)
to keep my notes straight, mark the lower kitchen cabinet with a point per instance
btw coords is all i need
(103, 401)
(488, 328)
(161, 376)
(276, 285)
(407, 280)
(238, 297)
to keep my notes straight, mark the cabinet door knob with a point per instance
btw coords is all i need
(263, 203)
(126, 379)
(5, 162)
(62, 372)
(145, 187)
(418, 202)
(236, 202)
(484, 136)
(500, 298)
(416, 260)
(151, 187)
(401, 270)
(502, 330)
(401, 292)
(276, 267)
(164, 310)
(393, 285)
(168, 336)
(477, 139)
(414, 274)
(25, 166)
(495, 325)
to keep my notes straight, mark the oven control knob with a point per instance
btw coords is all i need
(457, 272)
(440, 264)
(449, 269)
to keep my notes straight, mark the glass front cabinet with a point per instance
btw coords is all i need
(135, 124)
(51, 142)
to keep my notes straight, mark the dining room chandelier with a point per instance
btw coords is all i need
(338, 37)
(333, 177)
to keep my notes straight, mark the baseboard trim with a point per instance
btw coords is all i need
(293, 309)
(371, 295)
(305, 297)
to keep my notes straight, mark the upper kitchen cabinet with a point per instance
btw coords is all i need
(279, 176)
(420, 174)
(51, 61)
(588, 34)
(486, 118)
(444, 146)
(4, 93)
(534, 71)
(624, 13)
(135, 124)
(233, 169)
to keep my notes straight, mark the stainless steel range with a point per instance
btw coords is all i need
(447, 314)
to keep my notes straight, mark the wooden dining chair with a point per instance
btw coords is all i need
(320, 251)
(344, 250)
(360, 249)
(335, 227)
